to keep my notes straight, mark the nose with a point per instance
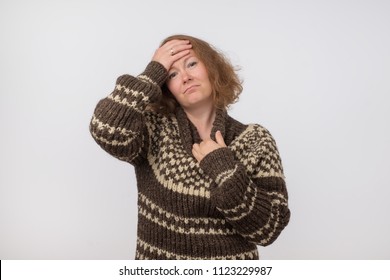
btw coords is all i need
(186, 77)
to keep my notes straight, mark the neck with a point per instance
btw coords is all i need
(203, 119)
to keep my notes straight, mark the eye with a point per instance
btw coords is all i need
(192, 64)
(172, 75)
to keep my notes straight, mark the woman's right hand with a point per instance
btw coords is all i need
(171, 51)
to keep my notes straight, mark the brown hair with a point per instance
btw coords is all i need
(225, 82)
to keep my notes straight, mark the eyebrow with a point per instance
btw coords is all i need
(191, 56)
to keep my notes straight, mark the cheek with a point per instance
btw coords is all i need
(173, 87)
(205, 76)
(207, 81)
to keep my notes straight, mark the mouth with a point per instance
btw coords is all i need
(190, 89)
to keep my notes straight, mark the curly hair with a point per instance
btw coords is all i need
(225, 82)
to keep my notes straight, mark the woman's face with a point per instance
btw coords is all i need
(189, 82)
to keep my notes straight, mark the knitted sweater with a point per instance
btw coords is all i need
(220, 208)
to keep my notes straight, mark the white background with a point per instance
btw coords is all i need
(316, 74)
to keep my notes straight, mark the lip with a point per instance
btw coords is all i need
(189, 89)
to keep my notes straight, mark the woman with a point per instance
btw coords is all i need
(209, 187)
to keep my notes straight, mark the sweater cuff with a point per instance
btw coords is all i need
(155, 73)
(219, 164)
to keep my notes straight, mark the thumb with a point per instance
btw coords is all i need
(219, 138)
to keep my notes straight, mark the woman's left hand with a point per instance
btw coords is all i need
(207, 146)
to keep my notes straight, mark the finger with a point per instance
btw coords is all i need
(196, 147)
(196, 153)
(180, 50)
(175, 46)
(171, 51)
(219, 138)
(176, 42)
(179, 55)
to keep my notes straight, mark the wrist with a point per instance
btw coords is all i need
(218, 162)
(155, 72)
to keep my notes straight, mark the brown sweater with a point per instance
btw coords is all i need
(220, 208)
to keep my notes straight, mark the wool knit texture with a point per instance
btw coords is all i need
(220, 208)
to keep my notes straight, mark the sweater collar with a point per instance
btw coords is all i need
(189, 133)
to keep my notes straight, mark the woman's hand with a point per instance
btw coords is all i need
(171, 51)
(207, 146)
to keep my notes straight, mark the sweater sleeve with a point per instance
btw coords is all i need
(251, 192)
(118, 123)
